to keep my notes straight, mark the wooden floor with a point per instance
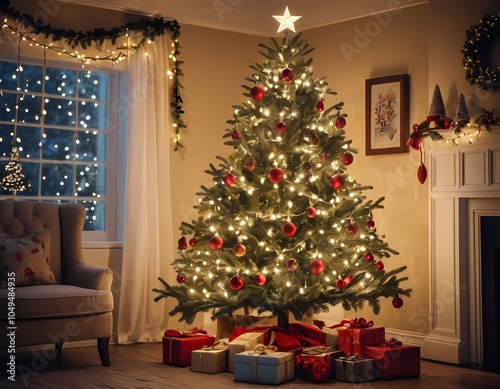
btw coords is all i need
(140, 366)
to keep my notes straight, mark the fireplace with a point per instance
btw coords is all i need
(464, 207)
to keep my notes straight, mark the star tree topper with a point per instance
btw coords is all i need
(286, 21)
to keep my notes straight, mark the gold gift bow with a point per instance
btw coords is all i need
(261, 349)
(216, 343)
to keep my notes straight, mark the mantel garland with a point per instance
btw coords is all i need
(148, 28)
(480, 39)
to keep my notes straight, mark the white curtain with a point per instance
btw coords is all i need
(147, 238)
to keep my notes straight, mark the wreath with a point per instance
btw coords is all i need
(479, 67)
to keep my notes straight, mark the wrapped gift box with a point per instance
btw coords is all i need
(227, 324)
(273, 368)
(210, 359)
(394, 362)
(177, 346)
(242, 343)
(312, 354)
(352, 340)
(354, 369)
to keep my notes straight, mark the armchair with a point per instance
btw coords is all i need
(70, 300)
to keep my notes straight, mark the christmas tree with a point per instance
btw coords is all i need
(284, 228)
(14, 179)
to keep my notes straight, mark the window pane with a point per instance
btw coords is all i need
(31, 171)
(8, 75)
(57, 180)
(31, 78)
(91, 180)
(7, 104)
(91, 146)
(29, 141)
(58, 144)
(60, 112)
(92, 115)
(96, 215)
(30, 109)
(93, 85)
(6, 139)
(60, 82)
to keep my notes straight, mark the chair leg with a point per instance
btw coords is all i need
(58, 349)
(102, 346)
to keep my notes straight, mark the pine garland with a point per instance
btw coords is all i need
(148, 28)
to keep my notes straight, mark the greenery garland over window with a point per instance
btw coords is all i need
(477, 60)
(145, 30)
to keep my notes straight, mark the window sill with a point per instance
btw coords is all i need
(102, 245)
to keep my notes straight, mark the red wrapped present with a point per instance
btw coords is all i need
(309, 356)
(356, 333)
(178, 345)
(394, 360)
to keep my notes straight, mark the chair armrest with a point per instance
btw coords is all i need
(90, 277)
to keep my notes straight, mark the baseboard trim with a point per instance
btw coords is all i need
(407, 337)
(444, 349)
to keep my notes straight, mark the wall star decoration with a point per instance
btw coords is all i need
(144, 30)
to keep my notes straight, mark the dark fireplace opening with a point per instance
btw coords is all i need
(490, 263)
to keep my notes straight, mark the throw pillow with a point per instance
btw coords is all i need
(26, 258)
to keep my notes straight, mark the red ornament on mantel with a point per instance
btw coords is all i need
(289, 229)
(379, 265)
(422, 173)
(287, 75)
(182, 243)
(347, 159)
(192, 242)
(280, 126)
(369, 257)
(370, 224)
(236, 283)
(317, 266)
(235, 135)
(215, 242)
(275, 175)
(337, 181)
(397, 302)
(230, 179)
(320, 107)
(340, 284)
(340, 122)
(181, 278)
(257, 92)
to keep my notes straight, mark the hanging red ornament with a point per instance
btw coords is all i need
(289, 229)
(275, 175)
(181, 278)
(340, 122)
(348, 280)
(415, 127)
(369, 257)
(311, 212)
(257, 92)
(260, 279)
(320, 371)
(379, 265)
(322, 156)
(235, 135)
(216, 242)
(340, 284)
(370, 224)
(236, 283)
(320, 107)
(317, 266)
(347, 159)
(250, 163)
(287, 75)
(422, 173)
(239, 250)
(337, 181)
(291, 264)
(182, 243)
(397, 302)
(351, 230)
(280, 126)
(230, 179)
(192, 242)
(313, 139)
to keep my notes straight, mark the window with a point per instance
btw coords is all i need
(66, 135)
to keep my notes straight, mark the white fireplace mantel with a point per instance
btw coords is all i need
(457, 173)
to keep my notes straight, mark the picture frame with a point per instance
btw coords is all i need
(387, 120)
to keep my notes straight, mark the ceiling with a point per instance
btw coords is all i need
(254, 16)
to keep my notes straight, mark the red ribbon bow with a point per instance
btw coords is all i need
(181, 334)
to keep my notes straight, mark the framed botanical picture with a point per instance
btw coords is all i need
(387, 106)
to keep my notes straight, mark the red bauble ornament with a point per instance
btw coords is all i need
(216, 242)
(397, 302)
(181, 278)
(340, 122)
(379, 265)
(311, 212)
(192, 242)
(280, 126)
(347, 159)
(230, 179)
(235, 135)
(275, 175)
(340, 284)
(182, 243)
(239, 250)
(348, 280)
(337, 181)
(257, 92)
(370, 224)
(313, 139)
(287, 75)
(415, 127)
(317, 266)
(260, 279)
(291, 265)
(322, 156)
(369, 257)
(320, 372)
(236, 283)
(320, 107)
(289, 229)
(422, 173)
(351, 230)
(250, 163)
